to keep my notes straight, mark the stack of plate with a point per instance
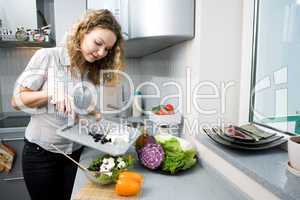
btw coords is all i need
(248, 137)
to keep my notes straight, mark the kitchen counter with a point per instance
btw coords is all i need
(266, 167)
(199, 182)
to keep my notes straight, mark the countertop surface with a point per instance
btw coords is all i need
(198, 183)
(267, 167)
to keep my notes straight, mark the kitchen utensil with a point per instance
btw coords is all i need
(90, 174)
(83, 168)
(80, 133)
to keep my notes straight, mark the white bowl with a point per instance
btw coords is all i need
(172, 119)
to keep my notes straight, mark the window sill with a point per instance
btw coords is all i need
(267, 168)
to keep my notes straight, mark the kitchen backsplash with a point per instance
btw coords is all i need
(12, 63)
(165, 68)
(14, 60)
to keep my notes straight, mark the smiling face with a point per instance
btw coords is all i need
(96, 44)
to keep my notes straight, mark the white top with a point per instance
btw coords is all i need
(49, 69)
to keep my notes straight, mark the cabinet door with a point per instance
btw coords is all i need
(119, 8)
(153, 18)
(15, 14)
(12, 185)
(66, 14)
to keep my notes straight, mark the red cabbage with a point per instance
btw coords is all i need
(151, 155)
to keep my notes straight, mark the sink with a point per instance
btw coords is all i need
(14, 121)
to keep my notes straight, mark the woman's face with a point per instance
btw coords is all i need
(96, 44)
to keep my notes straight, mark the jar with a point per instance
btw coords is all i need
(21, 34)
(137, 104)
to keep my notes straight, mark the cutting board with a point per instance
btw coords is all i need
(92, 191)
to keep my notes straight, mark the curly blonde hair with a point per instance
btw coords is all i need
(114, 60)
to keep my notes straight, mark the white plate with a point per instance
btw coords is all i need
(79, 134)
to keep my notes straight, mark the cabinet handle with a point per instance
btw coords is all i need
(13, 179)
(11, 139)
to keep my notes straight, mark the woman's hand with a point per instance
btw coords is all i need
(96, 114)
(65, 107)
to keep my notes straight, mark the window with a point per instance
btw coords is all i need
(275, 83)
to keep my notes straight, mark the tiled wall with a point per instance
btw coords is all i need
(166, 67)
(158, 68)
(212, 57)
(14, 60)
(12, 63)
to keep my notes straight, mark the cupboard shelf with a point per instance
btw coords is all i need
(14, 44)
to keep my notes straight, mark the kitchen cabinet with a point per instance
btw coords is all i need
(12, 185)
(151, 25)
(30, 15)
(15, 14)
(66, 13)
(157, 18)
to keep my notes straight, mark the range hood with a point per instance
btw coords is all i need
(150, 25)
(139, 47)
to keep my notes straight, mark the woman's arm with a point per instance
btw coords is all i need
(30, 98)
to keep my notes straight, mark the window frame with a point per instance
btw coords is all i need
(254, 41)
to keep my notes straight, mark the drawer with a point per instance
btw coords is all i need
(13, 189)
(12, 185)
(16, 141)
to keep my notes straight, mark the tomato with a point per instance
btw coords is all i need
(169, 107)
(127, 187)
(131, 175)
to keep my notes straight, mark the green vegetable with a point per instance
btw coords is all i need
(157, 108)
(179, 154)
(104, 178)
(95, 165)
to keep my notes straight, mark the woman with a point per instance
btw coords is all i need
(95, 44)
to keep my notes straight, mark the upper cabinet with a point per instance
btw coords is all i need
(66, 13)
(27, 23)
(15, 14)
(150, 25)
(119, 8)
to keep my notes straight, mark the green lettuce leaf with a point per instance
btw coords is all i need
(176, 158)
(189, 159)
